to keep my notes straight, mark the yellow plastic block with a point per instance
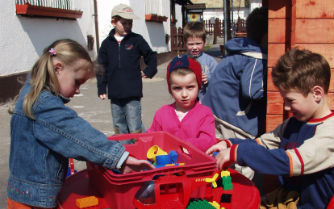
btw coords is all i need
(212, 180)
(225, 173)
(178, 164)
(153, 152)
(215, 204)
(87, 202)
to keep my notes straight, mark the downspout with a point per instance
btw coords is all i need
(96, 27)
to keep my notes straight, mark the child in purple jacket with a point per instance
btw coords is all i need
(186, 118)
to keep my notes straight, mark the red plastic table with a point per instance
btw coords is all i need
(243, 195)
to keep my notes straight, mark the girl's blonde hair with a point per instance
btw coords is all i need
(43, 75)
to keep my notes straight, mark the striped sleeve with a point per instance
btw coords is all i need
(316, 153)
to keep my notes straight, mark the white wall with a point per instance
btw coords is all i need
(178, 15)
(22, 39)
(153, 32)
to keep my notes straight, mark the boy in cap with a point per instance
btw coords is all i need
(119, 75)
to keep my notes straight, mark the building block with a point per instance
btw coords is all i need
(226, 198)
(225, 173)
(215, 204)
(200, 204)
(212, 180)
(227, 182)
(153, 152)
(86, 202)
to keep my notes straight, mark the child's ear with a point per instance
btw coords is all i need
(318, 93)
(113, 21)
(57, 66)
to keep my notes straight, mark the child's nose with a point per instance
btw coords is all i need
(184, 93)
(287, 107)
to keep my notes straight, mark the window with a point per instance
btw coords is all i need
(154, 10)
(47, 8)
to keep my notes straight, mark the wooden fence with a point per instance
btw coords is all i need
(215, 28)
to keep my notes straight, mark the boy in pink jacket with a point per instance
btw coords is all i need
(186, 118)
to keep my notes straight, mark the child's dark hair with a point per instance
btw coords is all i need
(194, 29)
(116, 18)
(257, 24)
(43, 76)
(301, 69)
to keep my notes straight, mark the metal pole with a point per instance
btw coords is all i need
(232, 20)
(225, 21)
(96, 21)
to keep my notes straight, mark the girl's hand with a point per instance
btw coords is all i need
(133, 164)
(223, 159)
(216, 148)
(204, 78)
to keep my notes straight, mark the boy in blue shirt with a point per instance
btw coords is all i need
(121, 76)
(300, 151)
(195, 36)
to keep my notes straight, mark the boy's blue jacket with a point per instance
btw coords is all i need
(121, 65)
(40, 149)
(236, 93)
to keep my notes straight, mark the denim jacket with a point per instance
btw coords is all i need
(40, 149)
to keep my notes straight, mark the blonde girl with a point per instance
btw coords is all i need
(45, 133)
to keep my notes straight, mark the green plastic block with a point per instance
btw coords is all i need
(227, 183)
(200, 204)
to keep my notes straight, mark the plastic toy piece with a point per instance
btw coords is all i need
(200, 204)
(227, 183)
(225, 173)
(226, 180)
(87, 202)
(212, 180)
(166, 160)
(215, 204)
(153, 152)
(176, 164)
(226, 198)
(173, 156)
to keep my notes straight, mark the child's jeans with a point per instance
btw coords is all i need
(11, 204)
(126, 115)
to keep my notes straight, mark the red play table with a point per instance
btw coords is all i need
(244, 194)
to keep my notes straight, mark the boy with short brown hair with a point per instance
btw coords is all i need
(194, 35)
(300, 151)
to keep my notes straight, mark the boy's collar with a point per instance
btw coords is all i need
(317, 120)
(113, 32)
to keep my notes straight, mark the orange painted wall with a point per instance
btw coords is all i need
(307, 24)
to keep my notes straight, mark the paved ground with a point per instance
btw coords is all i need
(94, 110)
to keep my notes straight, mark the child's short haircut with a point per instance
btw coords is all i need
(194, 29)
(257, 24)
(301, 70)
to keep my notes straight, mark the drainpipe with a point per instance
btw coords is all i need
(225, 21)
(96, 26)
